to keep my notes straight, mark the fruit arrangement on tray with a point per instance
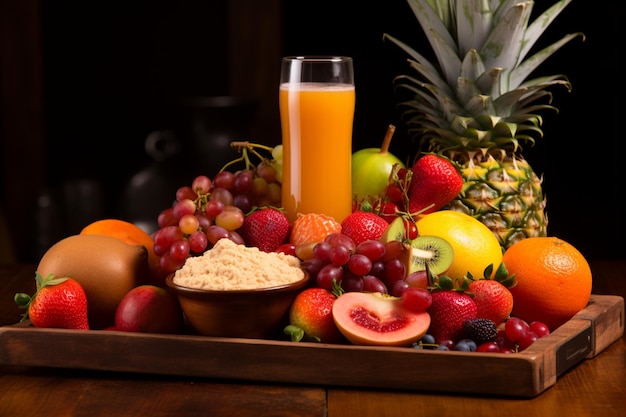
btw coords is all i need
(450, 252)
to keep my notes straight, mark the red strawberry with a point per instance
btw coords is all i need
(435, 181)
(363, 225)
(493, 299)
(310, 317)
(266, 228)
(57, 303)
(448, 312)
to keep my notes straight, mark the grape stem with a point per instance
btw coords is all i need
(244, 147)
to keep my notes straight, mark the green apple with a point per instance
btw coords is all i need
(371, 168)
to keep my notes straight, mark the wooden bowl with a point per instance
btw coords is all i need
(259, 313)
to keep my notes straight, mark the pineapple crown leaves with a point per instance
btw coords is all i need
(481, 47)
(497, 32)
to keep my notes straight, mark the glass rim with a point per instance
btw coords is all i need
(318, 58)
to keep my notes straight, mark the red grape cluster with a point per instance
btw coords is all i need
(209, 210)
(516, 336)
(371, 266)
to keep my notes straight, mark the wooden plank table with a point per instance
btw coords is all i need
(594, 387)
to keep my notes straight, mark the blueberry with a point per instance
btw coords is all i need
(428, 339)
(463, 347)
(467, 345)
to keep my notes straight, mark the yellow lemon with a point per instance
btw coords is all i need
(475, 246)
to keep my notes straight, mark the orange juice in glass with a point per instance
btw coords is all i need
(316, 100)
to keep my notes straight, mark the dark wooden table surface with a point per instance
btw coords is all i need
(595, 387)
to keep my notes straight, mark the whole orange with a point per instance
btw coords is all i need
(133, 235)
(553, 280)
(475, 246)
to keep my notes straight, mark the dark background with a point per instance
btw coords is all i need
(112, 72)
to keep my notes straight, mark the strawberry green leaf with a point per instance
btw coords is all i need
(22, 300)
(298, 335)
(488, 270)
(295, 332)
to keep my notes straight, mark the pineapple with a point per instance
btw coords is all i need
(477, 106)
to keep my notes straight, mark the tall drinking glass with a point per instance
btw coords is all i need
(317, 100)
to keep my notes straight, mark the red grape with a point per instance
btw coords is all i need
(201, 184)
(418, 279)
(398, 287)
(236, 237)
(327, 274)
(287, 248)
(213, 208)
(170, 264)
(515, 329)
(539, 328)
(527, 340)
(184, 206)
(242, 201)
(215, 233)
(339, 255)
(416, 299)
(222, 195)
(378, 269)
(374, 284)
(243, 181)
(394, 270)
(198, 241)
(267, 172)
(322, 251)
(224, 179)
(167, 218)
(186, 193)
(351, 283)
(393, 249)
(166, 236)
(359, 264)
(488, 347)
(340, 239)
(179, 250)
(373, 249)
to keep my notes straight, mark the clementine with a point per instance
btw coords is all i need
(312, 227)
(133, 235)
(553, 280)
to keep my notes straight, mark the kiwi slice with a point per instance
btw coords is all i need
(395, 231)
(433, 251)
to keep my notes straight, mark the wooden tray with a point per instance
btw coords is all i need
(524, 374)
